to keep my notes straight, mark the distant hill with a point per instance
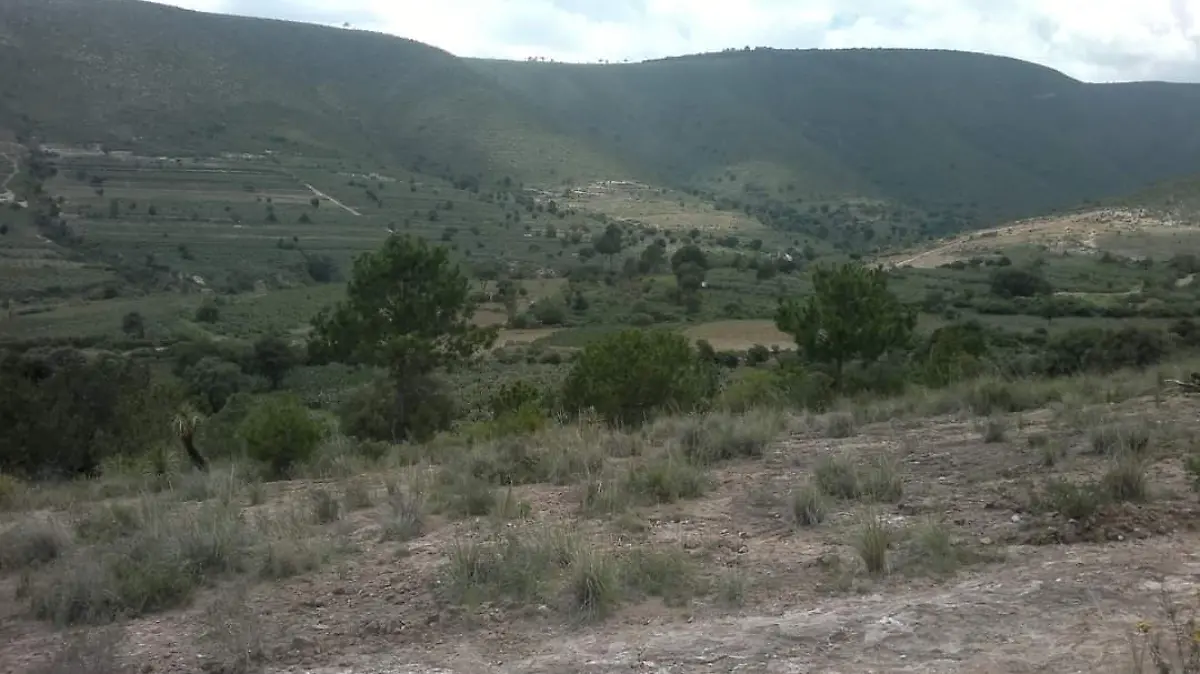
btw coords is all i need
(985, 136)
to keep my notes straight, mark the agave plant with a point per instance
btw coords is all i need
(187, 420)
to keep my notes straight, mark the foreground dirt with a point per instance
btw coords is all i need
(1045, 594)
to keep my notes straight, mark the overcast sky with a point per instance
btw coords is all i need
(1094, 40)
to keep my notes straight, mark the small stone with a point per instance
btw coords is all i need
(743, 549)
(985, 541)
(743, 535)
(1015, 519)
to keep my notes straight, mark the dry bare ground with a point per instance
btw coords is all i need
(639, 202)
(741, 334)
(754, 555)
(1086, 232)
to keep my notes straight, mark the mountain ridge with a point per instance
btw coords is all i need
(991, 136)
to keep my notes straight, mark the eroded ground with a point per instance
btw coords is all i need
(986, 572)
(1130, 232)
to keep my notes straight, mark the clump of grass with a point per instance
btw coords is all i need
(32, 543)
(808, 506)
(604, 495)
(558, 456)
(111, 521)
(357, 495)
(256, 492)
(1192, 465)
(1121, 438)
(992, 429)
(872, 540)
(665, 479)
(232, 637)
(838, 477)
(464, 494)
(1071, 500)
(287, 557)
(990, 396)
(155, 568)
(160, 564)
(1050, 452)
(325, 507)
(1170, 647)
(513, 568)
(664, 573)
(593, 585)
(933, 548)
(12, 492)
(509, 507)
(732, 586)
(1125, 479)
(721, 436)
(404, 516)
(839, 425)
(881, 481)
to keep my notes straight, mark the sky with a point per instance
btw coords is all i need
(1093, 40)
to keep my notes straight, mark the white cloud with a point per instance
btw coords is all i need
(1097, 40)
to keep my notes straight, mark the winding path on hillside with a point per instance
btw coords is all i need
(6, 195)
(321, 195)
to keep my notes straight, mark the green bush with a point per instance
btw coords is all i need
(375, 412)
(63, 413)
(208, 312)
(512, 397)
(281, 433)
(750, 389)
(630, 376)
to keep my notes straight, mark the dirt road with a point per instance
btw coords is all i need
(321, 195)
(6, 195)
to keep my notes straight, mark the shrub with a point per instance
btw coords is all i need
(32, 543)
(1013, 282)
(993, 429)
(63, 413)
(631, 376)
(213, 381)
(1071, 500)
(594, 585)
(839, 425)
(721, 437)
(513, 396)
(375, 412)
(757, 355)
(208, 312)
(405, 514)
(752, 388)
(838, 477)
(281, 433)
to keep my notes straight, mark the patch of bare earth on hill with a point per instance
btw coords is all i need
(976, 577)
(629, 201)
(1082, 233)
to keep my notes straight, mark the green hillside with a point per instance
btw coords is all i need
(967, 138)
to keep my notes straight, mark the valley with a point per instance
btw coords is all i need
(327, 351)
